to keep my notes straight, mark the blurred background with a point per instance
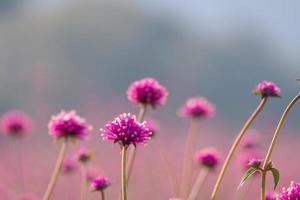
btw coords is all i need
(74, 54)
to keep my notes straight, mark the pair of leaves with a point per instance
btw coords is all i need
(252, 170)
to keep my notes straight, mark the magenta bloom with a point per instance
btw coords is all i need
(15, 123)
(147, 91)
(291, 193)
(197, 107)
(68, 166)
(251, 140)
(245, 157)
(271, 196)
(100, 183)
(28, 196)
(208, 157)
(83, 155)
(126, 130)
(68, 125)
(267, 89)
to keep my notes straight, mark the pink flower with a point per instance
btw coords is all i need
(147, 91)
(267, 89)
(291, 193)
(100, 183)
(83, 155)
(197, 107)
(68, 166)
(15, 123)
(271, 196)
(251, 140)
(126, 130)
(68, 125)
(208, 157)
(245, 157)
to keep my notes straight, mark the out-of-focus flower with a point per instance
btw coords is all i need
(91, 174)
(68, 166)
(271, 196)
(147, 91)
(83, 155)
(251, 140)
(197, 107)
(153, 126)
(126, 130)
(15, 123)
(267, 89)
(28, 196)
(69, 125)
(291, 193)
(254, 162)
(100, 183)
(208, 157)
(245, 157)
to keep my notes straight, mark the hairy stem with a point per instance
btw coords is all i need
(198, 184)
(123, 172)
(235, 145)
(56, 171)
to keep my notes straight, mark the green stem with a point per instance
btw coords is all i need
(56, 171)
(123, 171)
(275, 137)
(235, 145)
(263, 184)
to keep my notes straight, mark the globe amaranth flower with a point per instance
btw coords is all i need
(291, 193)
(197, 107)
(126, 130)
(100, 183)
(69, 125)
(147, 91)
(28, 196)
(254, 162)
(251, 140)
(267, 89)
(68, 166)
(15, 123)
(208, 157)
(271, 196)
(245, 157)
(83, 155)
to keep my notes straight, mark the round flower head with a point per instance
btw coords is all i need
(251, 140)
(244, 158)
(68, 125)
(291, 193)
(83, 155)
(68, 166)
(267, 89)
(147, 91)
(28, 196)
(126, 130)
(271, 196)
(208, 157)
(15, 123)
(197, 107)
(100, 183)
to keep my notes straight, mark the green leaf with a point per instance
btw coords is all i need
(248, 174)
(276, 176)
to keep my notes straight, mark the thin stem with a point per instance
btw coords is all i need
(123, 171)
(275, 137)
(132, 149)
(102, 195)
(56, 171)
(235, 145)
(83, 188)
(263, 185)
(188, 158)
(198, 184)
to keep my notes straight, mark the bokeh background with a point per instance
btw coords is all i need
(72, 54)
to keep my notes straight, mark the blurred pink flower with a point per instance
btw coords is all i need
(291, 193)
(147, 91)
(100, 183)
(83, 155)
(126, 130)
(267, 89)
(15, 123)
(271, 196)
(250, 140)
(68, 125)
(245, 157)
(197, 107)
(208, 157)
(68, 166)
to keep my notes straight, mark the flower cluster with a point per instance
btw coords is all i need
(69, 125)
(147, 91)
(15, 123)
(267, 89)
(291, 193)
(126, 130)
(100, 183)
(197, 107)
(209, 157)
